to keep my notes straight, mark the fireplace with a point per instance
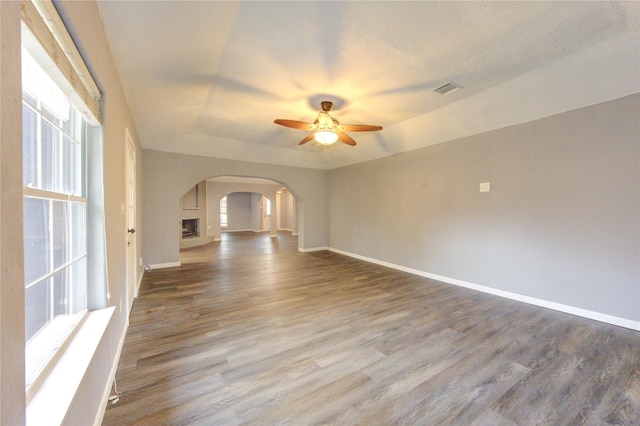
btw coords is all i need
(190, 228)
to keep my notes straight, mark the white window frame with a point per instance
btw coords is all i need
(47, 40)
(42, 347)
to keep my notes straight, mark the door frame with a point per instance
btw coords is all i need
(131, 274)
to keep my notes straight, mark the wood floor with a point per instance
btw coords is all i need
(250, 331)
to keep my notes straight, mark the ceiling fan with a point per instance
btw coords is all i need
(326, 129)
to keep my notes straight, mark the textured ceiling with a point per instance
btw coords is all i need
(209, 78)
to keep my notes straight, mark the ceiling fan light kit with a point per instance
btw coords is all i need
(326, 129)
(325, 137)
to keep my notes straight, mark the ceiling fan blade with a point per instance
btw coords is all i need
(359, 128)
(307, 139)
(345, 138)
(294, 124)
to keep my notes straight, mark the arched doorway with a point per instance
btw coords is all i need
(244, 211)
(249, 205)
(168, 176)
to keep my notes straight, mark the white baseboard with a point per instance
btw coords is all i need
(308, 250)
(598, 316)
(165, 265)
(139, 282)
(294, 234)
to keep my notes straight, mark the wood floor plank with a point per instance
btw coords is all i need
(250, 331)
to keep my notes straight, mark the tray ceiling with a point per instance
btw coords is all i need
(209, 78)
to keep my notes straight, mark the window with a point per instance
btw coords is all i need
(223, 212)
(55, 215)
(62, 145)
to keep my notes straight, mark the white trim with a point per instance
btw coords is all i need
(311, 249)
(257, 231)
(131, 248)
(32, 192)
(97, 421)
(294, 234)
(164, 265)
(50, 403)
(49, 41)
(50, 15)
(217, 239)
(52, 341)
(598, 316)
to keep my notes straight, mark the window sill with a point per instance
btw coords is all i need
(49, 403)
(44, 347)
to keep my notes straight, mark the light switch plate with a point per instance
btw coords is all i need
(485, 187)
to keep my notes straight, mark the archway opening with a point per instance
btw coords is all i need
(218, 207)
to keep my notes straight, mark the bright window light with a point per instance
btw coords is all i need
(55, 216)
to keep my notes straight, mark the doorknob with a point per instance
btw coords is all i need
(131, 231)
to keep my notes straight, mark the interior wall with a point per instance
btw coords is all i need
(167, 176)
(85, 26)
(259, 207)
(242, 211)
(560, 223)
(286, 213)
(191, 199)
(217, 190)
(12, 337)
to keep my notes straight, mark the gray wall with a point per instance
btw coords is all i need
(85, 25)
(561, 222)
(168, 176)
(286, 211)
(242, 211)
(257, 208)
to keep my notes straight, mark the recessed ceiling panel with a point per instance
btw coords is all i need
(209, 78)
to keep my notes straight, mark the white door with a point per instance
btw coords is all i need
(266, 213)
(132, 275)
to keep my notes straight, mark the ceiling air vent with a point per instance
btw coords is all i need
(447, 88)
